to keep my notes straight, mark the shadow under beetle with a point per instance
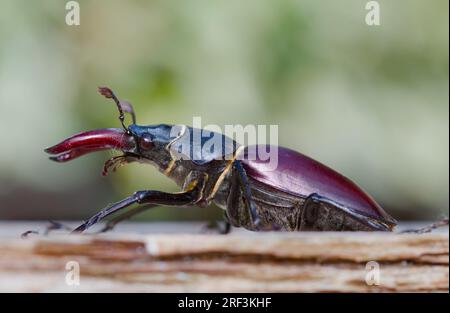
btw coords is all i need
(300, 194)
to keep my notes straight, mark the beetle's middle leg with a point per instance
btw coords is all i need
(240, 189)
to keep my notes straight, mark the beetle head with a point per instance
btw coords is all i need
(147, 142)
(150, 140)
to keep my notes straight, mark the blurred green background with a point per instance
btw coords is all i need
(369, 101)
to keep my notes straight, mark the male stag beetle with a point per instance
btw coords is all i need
(300, 194)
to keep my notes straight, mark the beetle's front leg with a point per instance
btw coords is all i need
(125, 216)
(141, 197)
(189, 196)
(48, 229)
(118, 161)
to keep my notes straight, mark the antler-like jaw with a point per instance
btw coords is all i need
(91, 141)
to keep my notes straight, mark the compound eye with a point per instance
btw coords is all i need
(146, 142)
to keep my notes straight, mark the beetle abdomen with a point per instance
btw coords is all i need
(300, 175)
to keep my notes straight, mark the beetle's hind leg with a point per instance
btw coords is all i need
(309, 215)
(427, 229)
(322, 214)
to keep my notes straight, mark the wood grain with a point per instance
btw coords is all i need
(279, 262)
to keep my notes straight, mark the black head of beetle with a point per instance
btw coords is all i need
(149, 140)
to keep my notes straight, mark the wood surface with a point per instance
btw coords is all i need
(240, 262)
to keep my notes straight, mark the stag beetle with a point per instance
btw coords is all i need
(300, 194)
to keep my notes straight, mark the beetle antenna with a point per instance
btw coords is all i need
(122, 106)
